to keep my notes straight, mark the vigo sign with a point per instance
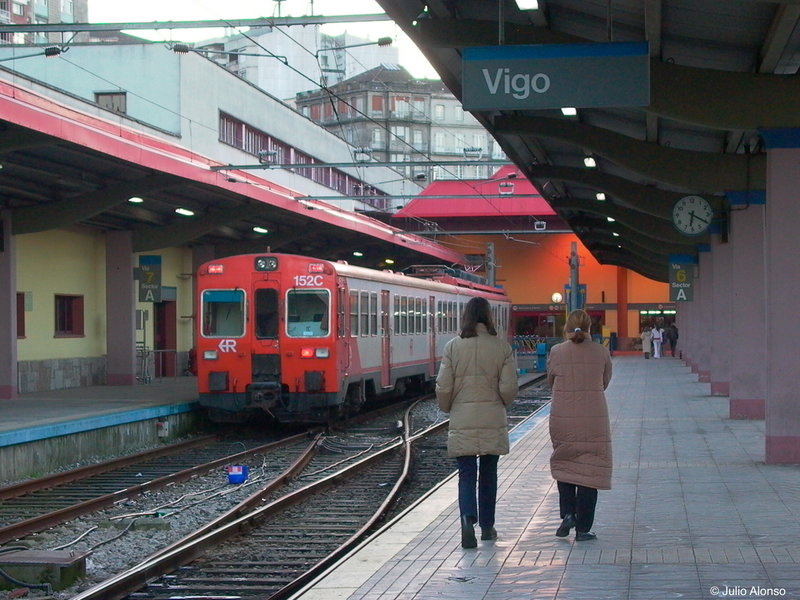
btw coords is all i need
(556, 75)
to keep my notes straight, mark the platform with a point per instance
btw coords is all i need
(97, 420)
(694, 513)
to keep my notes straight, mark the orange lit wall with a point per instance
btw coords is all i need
(531, 267)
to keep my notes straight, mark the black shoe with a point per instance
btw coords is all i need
(468, 533)
(567, 524)
(488, 533)
(584, 536)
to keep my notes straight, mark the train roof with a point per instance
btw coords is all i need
(424, 276)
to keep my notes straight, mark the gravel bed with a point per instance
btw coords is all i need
(119, 537)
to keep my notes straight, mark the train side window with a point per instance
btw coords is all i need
(364, 313)
(223, 313)
(396, 300)
(373, 313)
(311, 309)
(403, 314)
(266, 314)
(418, 311)
(353, 314)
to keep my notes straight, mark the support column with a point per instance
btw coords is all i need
(8, 309)
(703, 322)
(622, 304)
(120, 309)
(782, 279)
(721, 338)
(748, 348)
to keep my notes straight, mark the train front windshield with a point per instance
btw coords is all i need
(307, 313)
(223, 313)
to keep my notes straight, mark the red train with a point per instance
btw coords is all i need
(307, 340)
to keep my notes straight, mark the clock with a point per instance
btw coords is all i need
(692, 215)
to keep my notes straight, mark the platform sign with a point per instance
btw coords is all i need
(680, 281)
(150, 278)
(530, 77)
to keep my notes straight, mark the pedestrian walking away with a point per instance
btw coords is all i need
(579, 371)
(477, 381)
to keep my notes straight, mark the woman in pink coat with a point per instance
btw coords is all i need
(579, 370)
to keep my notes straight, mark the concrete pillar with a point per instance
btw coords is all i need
(120, 309)
(8, 310)
(782, 279)
(703, 322)
(748, 348)
(722, 337)
(622, 305)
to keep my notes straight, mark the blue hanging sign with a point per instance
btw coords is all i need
(612, 74)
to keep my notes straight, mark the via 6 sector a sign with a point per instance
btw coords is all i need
(555, 76)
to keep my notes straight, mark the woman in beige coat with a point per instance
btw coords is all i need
(477, 380)
(579, 371)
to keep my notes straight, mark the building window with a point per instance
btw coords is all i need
(377, 105)
(20, 314)
(438, 112)
(69, 315)
(458, 113)
(116, 101)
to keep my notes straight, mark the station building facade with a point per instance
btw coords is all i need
(62, 301)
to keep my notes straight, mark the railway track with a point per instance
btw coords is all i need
(284, 473)
(274, 549)
(33, 506)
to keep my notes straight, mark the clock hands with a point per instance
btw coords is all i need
(693, 216)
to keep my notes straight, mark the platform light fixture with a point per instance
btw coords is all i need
(358, 254)
(135, 200)
(184, 211)
(569, 111)
(590, 162)
(261, 230)
(615, 234)
(611, 219)
(506, 188)
(600, 196)
(528, 4)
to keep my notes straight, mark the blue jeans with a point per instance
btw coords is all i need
(484, 477)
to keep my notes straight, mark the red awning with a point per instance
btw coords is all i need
(446, 198)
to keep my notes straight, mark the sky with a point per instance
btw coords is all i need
(115, 11)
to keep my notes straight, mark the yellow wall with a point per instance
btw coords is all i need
(72, 261)
(61, 262)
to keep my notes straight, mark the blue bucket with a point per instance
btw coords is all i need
(237, 474)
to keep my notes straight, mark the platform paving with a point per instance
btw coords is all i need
(694, 513)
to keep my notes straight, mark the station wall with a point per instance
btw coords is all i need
(71, 262)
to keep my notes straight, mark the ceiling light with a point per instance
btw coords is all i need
(528, 4)
(600, 196)
(589, 162)
(506, 188)
(569, 111)
(185, 212)
(615, 234)
(357, 253)
(260, 229)
(389, 261)
(611, 219)
(135, 200)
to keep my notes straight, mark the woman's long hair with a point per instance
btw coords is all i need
(476, 311)
(578, 326)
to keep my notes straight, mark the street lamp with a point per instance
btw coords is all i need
(556, 298)
(384, 41)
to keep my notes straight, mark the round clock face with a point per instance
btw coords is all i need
(692, 215)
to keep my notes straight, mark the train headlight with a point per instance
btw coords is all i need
(314, 353)
(210, 354)
(266, 263)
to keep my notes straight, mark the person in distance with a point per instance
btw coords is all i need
(477, 381)
(579, 371)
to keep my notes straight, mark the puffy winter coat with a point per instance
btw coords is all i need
(477, 380)
(579, 427)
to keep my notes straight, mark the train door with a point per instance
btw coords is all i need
(385, 340)
(431, 336)
(165, 338)
(265, 350)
